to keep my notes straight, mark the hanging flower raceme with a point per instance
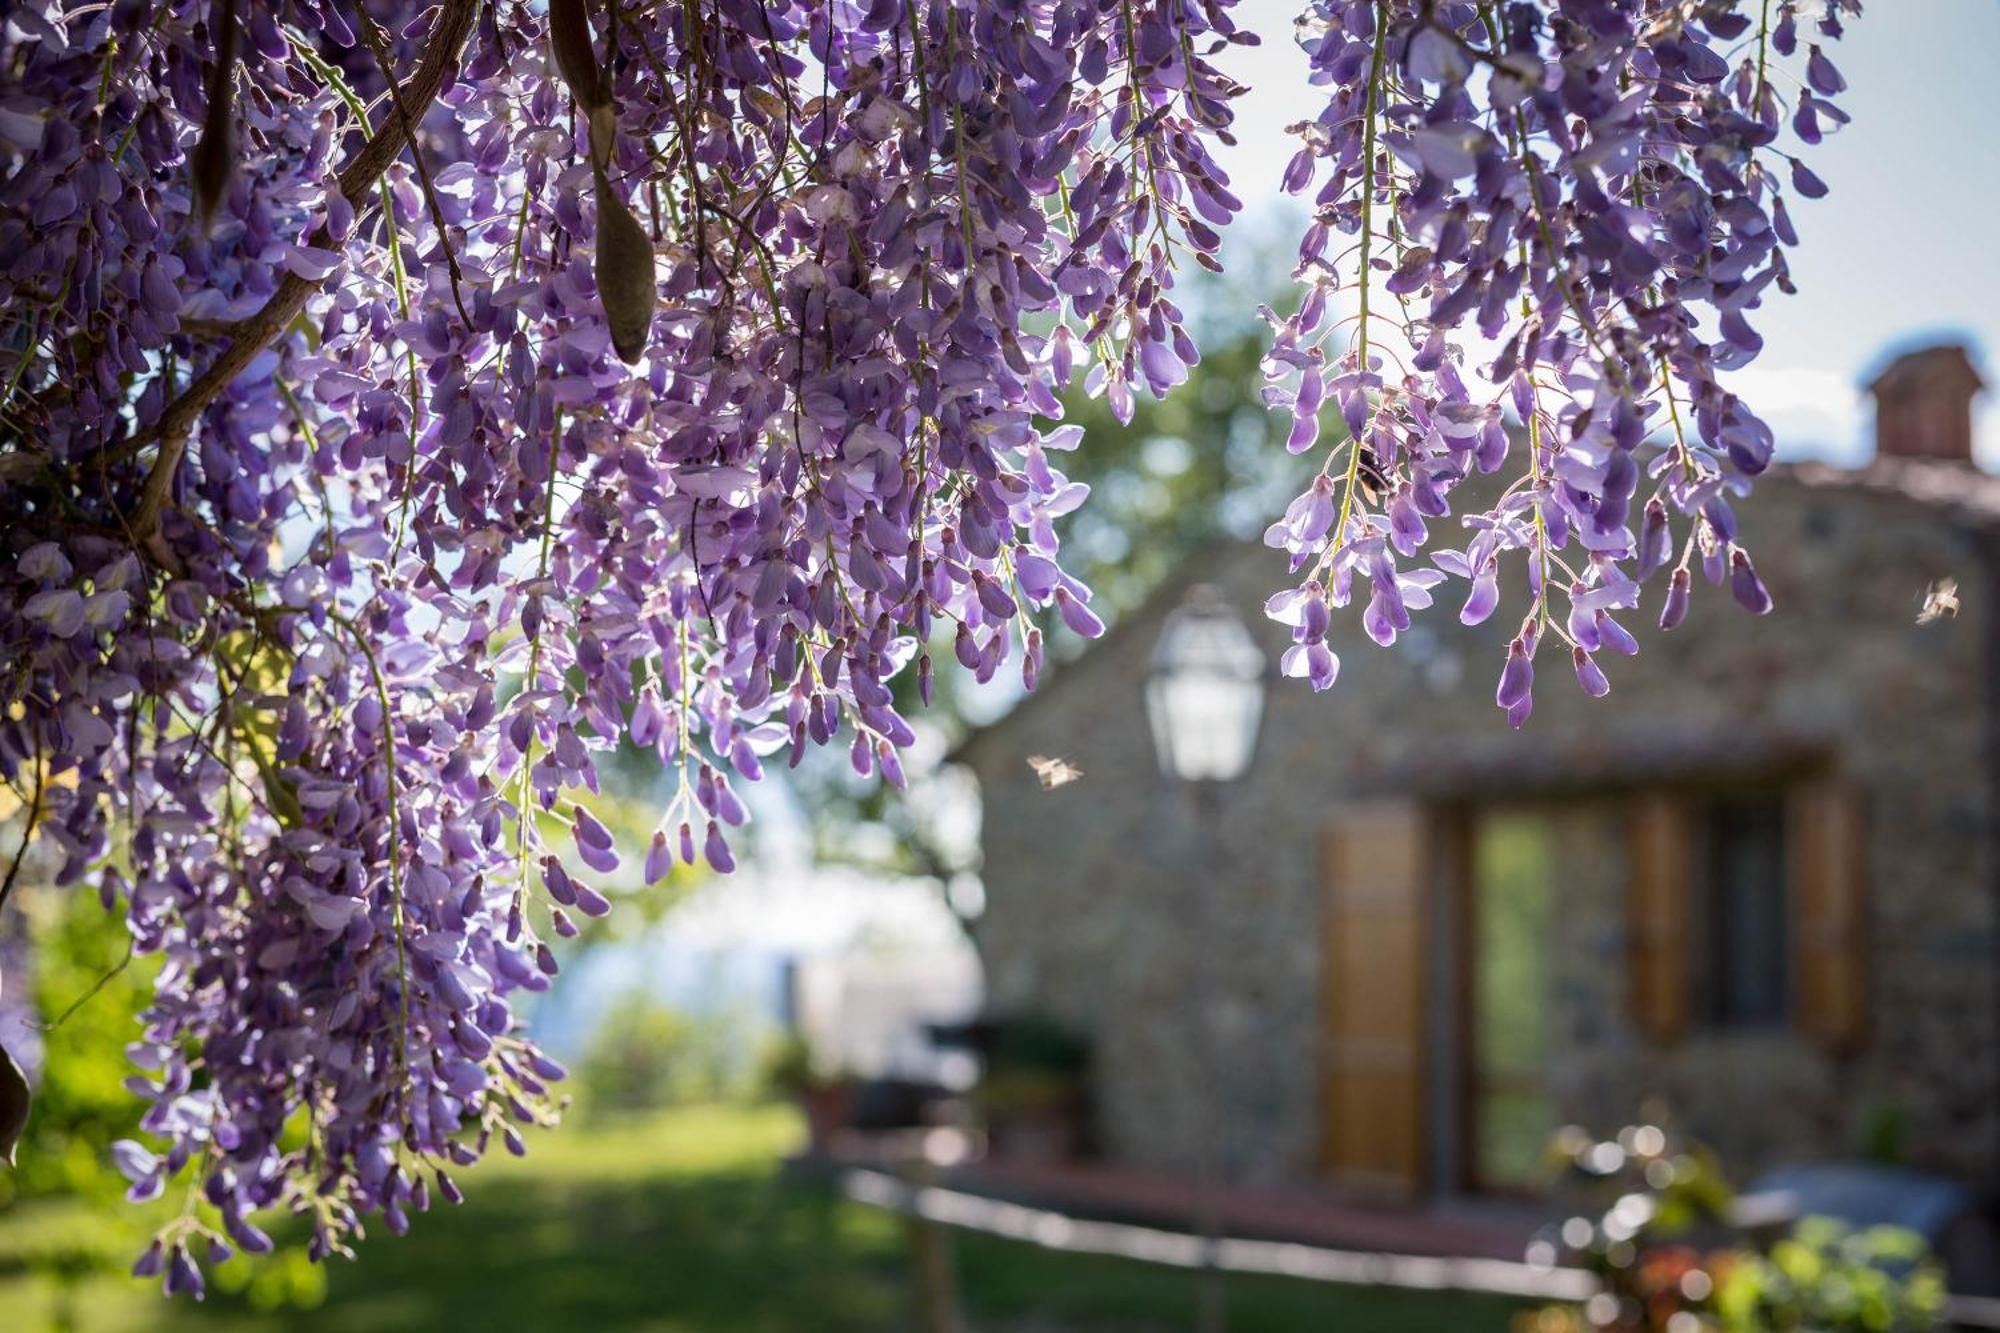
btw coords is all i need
(399, 417)
(1555, 222)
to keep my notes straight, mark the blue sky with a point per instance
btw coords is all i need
(1906, 248)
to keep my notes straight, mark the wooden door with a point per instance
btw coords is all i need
(1375, 874)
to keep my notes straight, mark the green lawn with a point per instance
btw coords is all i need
(681, 1222)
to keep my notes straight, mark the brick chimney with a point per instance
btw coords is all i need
(1923, 405)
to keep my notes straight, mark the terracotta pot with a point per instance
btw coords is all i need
(828, 1107)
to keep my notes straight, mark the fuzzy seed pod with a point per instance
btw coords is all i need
(626, 282)
(576, 52)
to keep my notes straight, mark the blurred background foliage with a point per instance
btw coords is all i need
(87, 992)
(648, 1055)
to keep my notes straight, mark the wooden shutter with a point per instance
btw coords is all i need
(1375, 883)
(1827, 846)
(1660, 902)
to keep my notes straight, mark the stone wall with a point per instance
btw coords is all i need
(1105, 900)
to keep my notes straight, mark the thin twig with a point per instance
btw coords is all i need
(131, 951)
(380, 50)
(33, 817)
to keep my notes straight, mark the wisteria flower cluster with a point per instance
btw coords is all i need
(400, 413)
(1555, 221)
(397, 413)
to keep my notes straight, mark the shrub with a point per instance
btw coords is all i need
(647, 1055)
(1671, 1261)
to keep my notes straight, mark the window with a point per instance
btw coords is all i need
(1750, 911)
(1744, 971)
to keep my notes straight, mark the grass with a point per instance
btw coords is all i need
(681, 1222)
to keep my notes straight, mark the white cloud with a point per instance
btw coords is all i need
(1814, 412)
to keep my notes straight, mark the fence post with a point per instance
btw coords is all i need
(933, 1273)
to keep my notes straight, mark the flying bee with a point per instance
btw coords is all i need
(1053, 773)
(1940, 600)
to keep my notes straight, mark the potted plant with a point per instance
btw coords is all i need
(1032, 1093)
(825, 1095)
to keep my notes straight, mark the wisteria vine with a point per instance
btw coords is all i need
(397, 413)
(1573, 209)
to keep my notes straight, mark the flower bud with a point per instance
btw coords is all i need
(1745, 586)
(1517, 678)
(1589, 675)
(1676, 608)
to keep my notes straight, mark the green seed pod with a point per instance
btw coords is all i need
(576, 52)
(626, 281)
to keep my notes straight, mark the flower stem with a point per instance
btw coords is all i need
(1367, 239)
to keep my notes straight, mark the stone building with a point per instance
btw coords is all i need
(1757, 888)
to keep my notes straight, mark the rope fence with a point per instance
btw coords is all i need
(1176, 1249)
